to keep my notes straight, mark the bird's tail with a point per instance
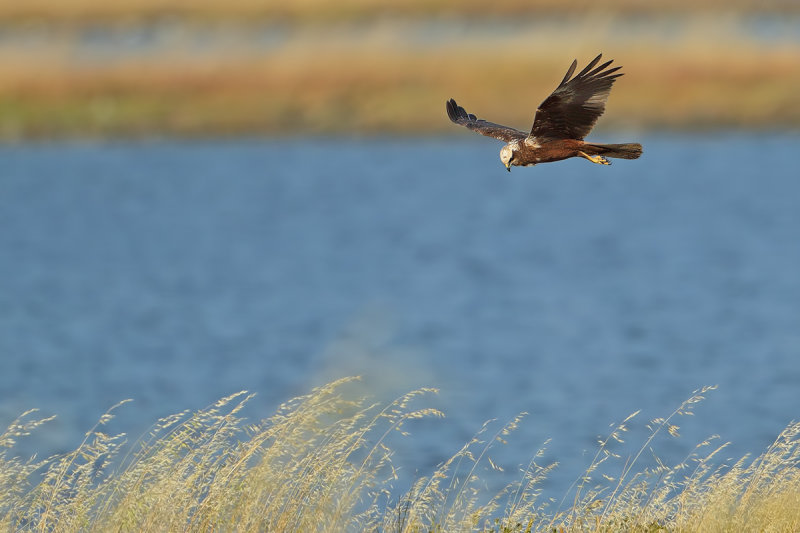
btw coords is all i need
(622, 151)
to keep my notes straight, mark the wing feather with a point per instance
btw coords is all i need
(569, 72)
(572, 110)
(460, 116)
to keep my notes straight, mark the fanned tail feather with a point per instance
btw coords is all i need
(622, 151)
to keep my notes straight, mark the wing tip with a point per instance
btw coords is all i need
(452, 110)
(458, 114)
(570, 72)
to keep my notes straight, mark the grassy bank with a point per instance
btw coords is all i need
(373, 81)
(361, 66)
(323, 463)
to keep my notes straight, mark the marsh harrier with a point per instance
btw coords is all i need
(561, 122)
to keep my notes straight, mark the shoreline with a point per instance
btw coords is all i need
(386, 77)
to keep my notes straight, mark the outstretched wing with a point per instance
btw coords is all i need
(576, 104)
(460, 116)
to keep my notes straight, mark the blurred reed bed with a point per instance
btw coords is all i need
(323, 462)
(325, 10)
(386, 74)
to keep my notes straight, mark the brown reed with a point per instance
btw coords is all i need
(372, 78)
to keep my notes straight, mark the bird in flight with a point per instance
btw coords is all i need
(561, 122)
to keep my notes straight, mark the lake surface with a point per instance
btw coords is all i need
(175, 273)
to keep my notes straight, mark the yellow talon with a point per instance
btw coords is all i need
(599, 159)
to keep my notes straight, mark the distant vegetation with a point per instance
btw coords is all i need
(363, 66)
(323, 463)
(325, 10)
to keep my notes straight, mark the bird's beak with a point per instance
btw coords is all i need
(508, 167)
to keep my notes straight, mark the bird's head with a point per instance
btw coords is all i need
(507, 156)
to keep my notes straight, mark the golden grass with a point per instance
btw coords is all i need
(323, 463)
(367, 78)
(363, 66)
(344, 89)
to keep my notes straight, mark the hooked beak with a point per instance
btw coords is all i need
(508, 167)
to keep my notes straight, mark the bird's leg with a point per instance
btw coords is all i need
(599, 159)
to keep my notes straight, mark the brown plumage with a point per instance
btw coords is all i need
(561, 122)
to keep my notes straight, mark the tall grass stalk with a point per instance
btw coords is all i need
(323, 462)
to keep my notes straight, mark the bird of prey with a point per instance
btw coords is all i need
(561, 122)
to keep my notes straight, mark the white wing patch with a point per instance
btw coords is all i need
(531, 142)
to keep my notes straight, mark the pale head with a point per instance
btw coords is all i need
(507, 156)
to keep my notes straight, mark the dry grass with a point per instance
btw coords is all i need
(323, 463)
(373, 85)
(363, 66)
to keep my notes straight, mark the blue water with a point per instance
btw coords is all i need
(175, 273)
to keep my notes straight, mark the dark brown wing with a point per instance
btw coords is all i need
(576, 104)
(460, 116)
